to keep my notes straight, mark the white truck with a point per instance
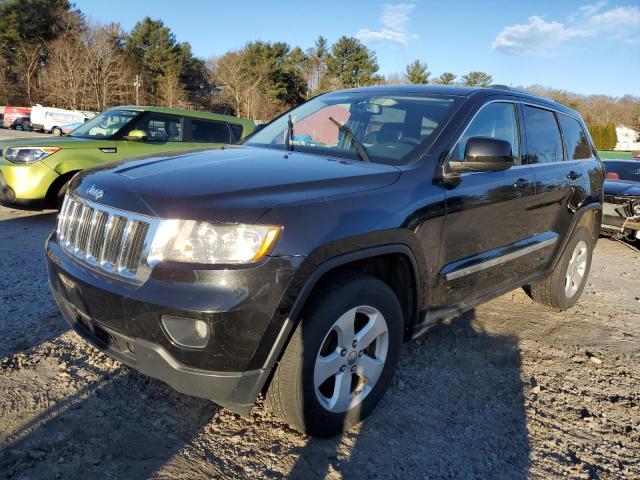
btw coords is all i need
(48, 119)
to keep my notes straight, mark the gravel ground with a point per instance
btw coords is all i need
(510, 390)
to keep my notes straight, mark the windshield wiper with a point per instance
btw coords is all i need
(362, 152)
(288, 137)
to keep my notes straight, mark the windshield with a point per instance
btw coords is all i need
(105, 125)
(629, 171)
(389, 126)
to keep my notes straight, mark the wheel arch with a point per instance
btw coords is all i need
(589, 216)
(354, 260)
(56, 185)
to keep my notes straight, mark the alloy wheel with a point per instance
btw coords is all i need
(351, 359)
(576, 269)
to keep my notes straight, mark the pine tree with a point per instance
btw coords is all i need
(417, 72)
(446, 78)
(352, 63)
(477, 79)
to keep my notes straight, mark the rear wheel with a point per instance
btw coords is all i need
(564, 286)
(18, 126)
(341, 358)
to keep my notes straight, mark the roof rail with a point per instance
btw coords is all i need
(500, 87)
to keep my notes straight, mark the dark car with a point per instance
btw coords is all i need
(296, 264)
(622, 199)
(21, 123)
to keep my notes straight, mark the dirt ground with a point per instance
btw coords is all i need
(511, 390)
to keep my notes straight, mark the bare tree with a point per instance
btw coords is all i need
(29, 57)
(171, 93)
(65, 75)
(238, 83)
(109, 77)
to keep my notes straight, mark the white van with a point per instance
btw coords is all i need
(51, 120)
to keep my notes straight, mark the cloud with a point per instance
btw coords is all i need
(540, 36)
(395, 23)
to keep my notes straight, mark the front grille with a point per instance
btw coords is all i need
(112, 241)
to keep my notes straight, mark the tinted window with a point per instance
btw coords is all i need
(208, 131)
(544, 143)
(389, 125)
(496, 120)
(629, 171)
(160, 127)
(575, 140)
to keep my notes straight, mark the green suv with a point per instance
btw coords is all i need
(34, 173)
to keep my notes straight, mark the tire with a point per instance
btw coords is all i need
(60, 195)
(297, 392)
(562, 289)
(18, 127)
(56, 131)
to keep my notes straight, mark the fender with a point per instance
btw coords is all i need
(293, 318)
(579, 214)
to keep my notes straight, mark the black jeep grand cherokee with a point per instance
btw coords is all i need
(298, 263)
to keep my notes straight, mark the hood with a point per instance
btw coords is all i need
(621, 188)
(235, 184)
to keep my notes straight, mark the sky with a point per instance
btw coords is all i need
(587, 47)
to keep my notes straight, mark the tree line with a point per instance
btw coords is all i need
(50, 53)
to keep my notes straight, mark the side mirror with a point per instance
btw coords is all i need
(484, 154)
(136, 136)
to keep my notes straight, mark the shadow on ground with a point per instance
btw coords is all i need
(456, 411)
(28, 315)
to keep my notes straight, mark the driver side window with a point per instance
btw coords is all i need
(496, 120)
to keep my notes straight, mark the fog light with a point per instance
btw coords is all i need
(186, 332)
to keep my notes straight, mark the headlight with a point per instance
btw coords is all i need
(202, 242)
(29, 154)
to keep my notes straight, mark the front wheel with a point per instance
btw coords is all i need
(56, 131)
(341, 358)
(563, 287)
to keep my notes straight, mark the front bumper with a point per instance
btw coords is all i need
(25, 186)
(125, 322)
(617, 217)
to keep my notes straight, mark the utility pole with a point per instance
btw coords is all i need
(136, 83)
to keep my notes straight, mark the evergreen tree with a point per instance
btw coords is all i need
(446, 78)
(417, 72)
(477, 79)
(352, 63)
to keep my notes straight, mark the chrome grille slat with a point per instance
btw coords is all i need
(112, 241)
(83, 230)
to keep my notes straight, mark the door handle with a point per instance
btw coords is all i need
(573, 175)
(522, 183)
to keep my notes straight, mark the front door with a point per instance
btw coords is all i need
(163, 133)
(487, 233)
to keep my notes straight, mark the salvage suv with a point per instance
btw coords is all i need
(296, 264)
(35, 172)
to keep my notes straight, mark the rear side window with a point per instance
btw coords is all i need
(575, 139)
(544, 143)
(215, 132)
(495, 120)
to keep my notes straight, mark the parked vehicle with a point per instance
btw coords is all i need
(34, 173)
(52, 120)
(14, 117)
(622, 199)
(67, 129)
(298, 263)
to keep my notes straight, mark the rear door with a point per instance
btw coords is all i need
(556, 147)
(487, 227)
